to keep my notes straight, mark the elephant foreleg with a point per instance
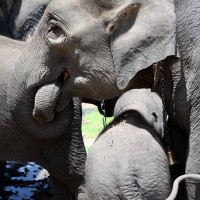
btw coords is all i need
(193, 161)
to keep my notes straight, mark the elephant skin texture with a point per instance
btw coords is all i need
(24, 17)
(128, 161)
(57, 146)
(109, 47)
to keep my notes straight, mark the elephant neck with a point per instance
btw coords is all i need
(135, 119)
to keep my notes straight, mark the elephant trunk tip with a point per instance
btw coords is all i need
(41, 117)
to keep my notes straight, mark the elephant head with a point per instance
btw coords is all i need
(89, 48)
(109, 44)
(148, 104)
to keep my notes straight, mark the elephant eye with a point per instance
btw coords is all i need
(155, 116)
(55, 31)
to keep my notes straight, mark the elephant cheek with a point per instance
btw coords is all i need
(45, 102)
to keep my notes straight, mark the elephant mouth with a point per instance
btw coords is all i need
(64, 74)
(47, 100)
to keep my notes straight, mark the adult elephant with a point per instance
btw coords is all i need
(108, 47)
(57, 145)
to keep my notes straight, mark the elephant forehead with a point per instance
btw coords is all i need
(66, 9)
(74, 16)
(139, 99)
(97, 7)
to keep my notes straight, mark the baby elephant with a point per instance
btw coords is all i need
(128, 161)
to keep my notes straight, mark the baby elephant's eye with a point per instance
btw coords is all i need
(155, 116)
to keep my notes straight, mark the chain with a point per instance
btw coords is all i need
(156, 72)
(104, 113)
(165, 116)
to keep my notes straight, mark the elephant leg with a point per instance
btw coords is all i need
(193, 166)
(61, 191)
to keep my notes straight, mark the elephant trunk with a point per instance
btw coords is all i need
(45, 101)
(70, 167)
(27, 83)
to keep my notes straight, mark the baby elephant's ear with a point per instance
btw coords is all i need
(145, 102)
(141, 34)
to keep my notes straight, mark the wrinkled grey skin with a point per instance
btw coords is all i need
(128, 161)
(3, 31)
(18, 14)
(61, 151)
(24, 17)
(108, 47)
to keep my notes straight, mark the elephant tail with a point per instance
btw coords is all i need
(174, 192)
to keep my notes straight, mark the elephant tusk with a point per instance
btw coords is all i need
(174, 192)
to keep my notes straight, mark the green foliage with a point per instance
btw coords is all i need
(92, 125)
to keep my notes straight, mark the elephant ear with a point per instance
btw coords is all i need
(148, 104)
(141, 34)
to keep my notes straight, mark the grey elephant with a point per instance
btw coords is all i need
(128, 161)
(3, 31)
(9, 19)
(57, 146)
(24, 16)
(109, 47)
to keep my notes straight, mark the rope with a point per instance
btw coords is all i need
(178, 180)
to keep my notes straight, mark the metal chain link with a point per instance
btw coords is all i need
(153, 89)
(104, 113)
(167, 140)
(165, 116)
(156, 72)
